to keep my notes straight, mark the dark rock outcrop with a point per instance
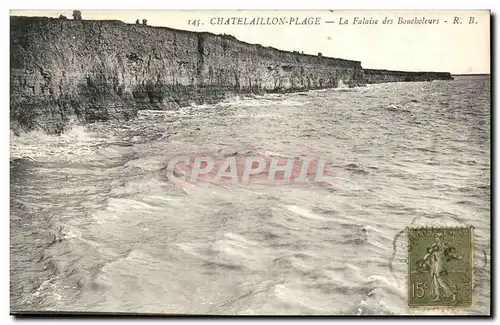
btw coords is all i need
(373, 76)
(98, 70)
(85, 70)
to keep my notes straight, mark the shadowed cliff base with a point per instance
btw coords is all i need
(94, 70)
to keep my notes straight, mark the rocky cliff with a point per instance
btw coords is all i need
(99, 70)
(373, 76)
(84, 70)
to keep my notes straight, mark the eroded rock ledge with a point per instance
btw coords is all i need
(373, 76)
(99, 70)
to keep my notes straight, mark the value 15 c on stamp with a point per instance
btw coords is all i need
(440, 267)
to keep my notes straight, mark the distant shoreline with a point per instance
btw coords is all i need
(470, 74)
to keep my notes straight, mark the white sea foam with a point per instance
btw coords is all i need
(96, 226)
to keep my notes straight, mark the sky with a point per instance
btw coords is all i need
(461, 47)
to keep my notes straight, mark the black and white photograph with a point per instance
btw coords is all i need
(250, 162)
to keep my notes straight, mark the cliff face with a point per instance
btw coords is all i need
(373, 76)
(98, 70)
(63, 70)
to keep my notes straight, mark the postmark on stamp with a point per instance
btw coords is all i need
(440, 266)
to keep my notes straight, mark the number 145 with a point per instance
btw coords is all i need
(194, 22)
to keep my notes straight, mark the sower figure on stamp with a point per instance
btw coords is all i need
(433, 261)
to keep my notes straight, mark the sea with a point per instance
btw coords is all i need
(97, 226)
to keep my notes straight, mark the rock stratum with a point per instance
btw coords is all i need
(86, 70)
(373, 76)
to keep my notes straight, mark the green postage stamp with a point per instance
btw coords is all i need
(440, 267)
